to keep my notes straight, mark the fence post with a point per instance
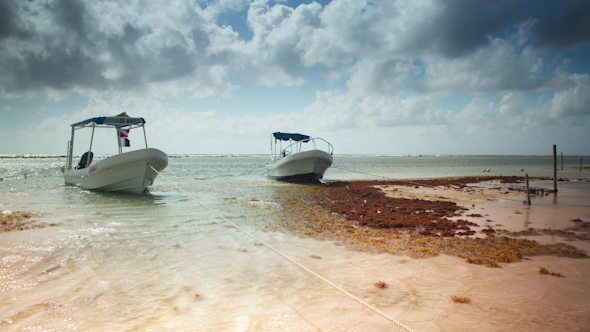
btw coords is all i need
(528, 191)
(555, 168)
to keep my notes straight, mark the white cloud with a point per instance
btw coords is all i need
(382, 77)
(173, 131)
(335, 111)
(273, 57)
(176, 48)
(498, 67)
(92, 47)
(381, 68)
(573, 101)
(352, 123)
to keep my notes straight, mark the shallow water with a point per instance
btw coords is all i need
(164, 262)
(555, 212)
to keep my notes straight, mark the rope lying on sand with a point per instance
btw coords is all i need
(291, 260)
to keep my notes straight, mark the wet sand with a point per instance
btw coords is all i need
(516, 297)
(513, 295)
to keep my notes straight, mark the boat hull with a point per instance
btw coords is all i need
(306, 166)
(128, 172)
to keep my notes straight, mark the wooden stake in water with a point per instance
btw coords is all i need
(562, 161)
(555, 168)
(528, 192)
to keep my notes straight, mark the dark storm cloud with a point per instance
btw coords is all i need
(564, 24)
(174, 63)
(7, 19)
(10, 24)
(122, 48)
(88, 47)
(62, 69)
(65, 45)
(200, 37)
(71, 15)
(467, 25)
(46, 60)
(49, 60)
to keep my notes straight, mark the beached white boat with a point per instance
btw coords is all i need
(129, 172)
(300, 160)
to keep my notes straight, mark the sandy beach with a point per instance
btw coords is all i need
(510, 294)
(515, 297)
(409, 271)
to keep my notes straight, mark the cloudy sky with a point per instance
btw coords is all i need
(377, 77)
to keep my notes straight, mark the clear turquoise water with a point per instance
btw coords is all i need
(344, 166)
(135, 262)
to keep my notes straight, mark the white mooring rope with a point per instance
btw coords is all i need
(293, 261)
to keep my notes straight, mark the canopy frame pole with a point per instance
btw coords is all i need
(90, 149)
(272, 153)
(273, 148)
(118, 130)
(144, 136)
(71, 150)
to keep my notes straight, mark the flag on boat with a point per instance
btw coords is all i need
(123, 134)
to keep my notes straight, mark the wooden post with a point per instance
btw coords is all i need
(580, 164)
(555, 168)
(528, 191)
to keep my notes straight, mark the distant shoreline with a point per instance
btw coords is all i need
(32, 156)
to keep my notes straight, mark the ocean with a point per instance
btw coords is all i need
(164, 262)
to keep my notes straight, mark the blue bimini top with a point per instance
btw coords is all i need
(121, 120)
(294, 137)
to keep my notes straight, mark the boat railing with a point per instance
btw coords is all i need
(69, 156)
(299, 146)
(330, 148)
(122, 124)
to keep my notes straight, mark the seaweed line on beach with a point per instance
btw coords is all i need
(358, 215)
(20, 221)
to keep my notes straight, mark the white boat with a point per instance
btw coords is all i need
(129, 172)
(300, 160)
